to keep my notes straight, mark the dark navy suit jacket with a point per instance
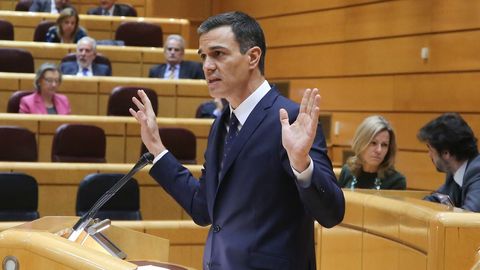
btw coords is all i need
(71, 68)
(468, 196)
(42, 6)
(261, 217)
(188, 70)
(118, 10)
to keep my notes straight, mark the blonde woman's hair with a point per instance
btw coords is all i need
(365, 133)
(64, 14)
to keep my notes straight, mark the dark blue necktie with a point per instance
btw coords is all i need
(85, 71)
(231, 135)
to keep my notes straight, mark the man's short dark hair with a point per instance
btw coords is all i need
(449, 132)
(246, 29)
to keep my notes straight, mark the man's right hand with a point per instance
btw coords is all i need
(148, 123)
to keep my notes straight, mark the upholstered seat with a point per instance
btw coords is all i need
(79, 143)
(125, 205)
(6, 30)
(13, 105)
(120, 100)
(140, 34)
(18, 197)
(17, 144)
(16, 60)
(181, 142)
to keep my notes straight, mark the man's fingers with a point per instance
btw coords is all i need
(304, 103)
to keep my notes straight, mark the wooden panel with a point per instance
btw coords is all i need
(272, 7)
(395, 55)
(357, 22)
(334, 254)
(454, 15)
(447, 55)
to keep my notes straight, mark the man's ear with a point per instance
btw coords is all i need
(254, 55)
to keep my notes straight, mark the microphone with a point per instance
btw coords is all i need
(85, 220)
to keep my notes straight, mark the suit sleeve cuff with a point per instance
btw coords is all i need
(304, 178)
(157, 158)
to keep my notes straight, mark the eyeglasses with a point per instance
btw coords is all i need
(51, 80)
(173, 49)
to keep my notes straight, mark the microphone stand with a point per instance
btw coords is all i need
(86, 220)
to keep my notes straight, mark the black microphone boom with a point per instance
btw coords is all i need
(88, 216)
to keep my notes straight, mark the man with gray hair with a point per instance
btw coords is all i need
(176, 67)
(85, 65)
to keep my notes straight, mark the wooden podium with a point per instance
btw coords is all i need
(40, 245)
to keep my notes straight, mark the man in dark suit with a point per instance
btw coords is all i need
(452, 146)
(50, 6)
(176, 67)
(85, 65)
(109, 8)
(266, 176)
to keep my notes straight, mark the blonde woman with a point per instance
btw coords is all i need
(67, 29)
(372, 166)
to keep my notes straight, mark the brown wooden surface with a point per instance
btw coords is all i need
(98, 27)
(127, 61)
(89, 95)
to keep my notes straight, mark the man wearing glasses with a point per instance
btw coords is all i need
(175, 67)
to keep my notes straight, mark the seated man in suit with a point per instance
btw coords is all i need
(176, 67)
(109, 8)
(84, 66)
(452, 146)
(50, 6)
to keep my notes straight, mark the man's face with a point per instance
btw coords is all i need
(441, 164)
(85, 54)
(173, 52)
(107, 4)
(61, 4)
(227, 71)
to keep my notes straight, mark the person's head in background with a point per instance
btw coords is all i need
(47, 80)
(67, 24)
(86, 51)
(174, 49)
(107, 4)
(374, 147)
(232, 48)
(450, 142)
(61, 4)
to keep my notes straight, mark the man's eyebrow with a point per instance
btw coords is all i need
(212, 48)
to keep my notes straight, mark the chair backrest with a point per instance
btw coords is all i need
(132, 12)
(99, 59)
(13, 105)
(18, 197)
(140, 34)
(6, 30)
(23, 5)
(206, 109)
(17, 144)
(120, 100)
(16, 60)
(41, 30)
(181, 142)
(79, 143)
(125, 205)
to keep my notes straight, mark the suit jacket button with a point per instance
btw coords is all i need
(216, 228)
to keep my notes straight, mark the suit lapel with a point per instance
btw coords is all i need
(251, 124)
(163, 68)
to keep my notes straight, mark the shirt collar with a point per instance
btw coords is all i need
(458, 176)
(246, 107)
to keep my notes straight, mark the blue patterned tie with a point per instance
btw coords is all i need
(231, 135)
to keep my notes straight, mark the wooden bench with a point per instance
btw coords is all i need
(123, 133)
(126, 61)
(98, 27)
(89, 95)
